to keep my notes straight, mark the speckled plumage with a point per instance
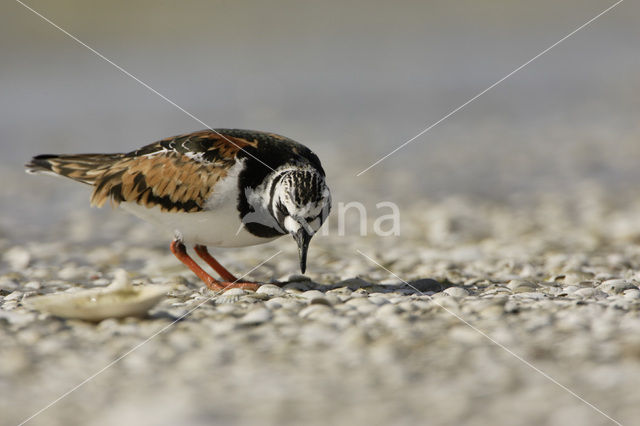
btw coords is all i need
(205, 184)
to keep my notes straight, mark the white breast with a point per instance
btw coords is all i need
(219, 225)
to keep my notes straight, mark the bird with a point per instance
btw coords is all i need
(214, 187)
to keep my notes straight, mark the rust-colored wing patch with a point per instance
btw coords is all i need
(170, 180)
(177, 173)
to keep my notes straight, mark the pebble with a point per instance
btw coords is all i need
(18, 258)
(387, 311)
(13, 296)
(521, 286)
(8, 285)
(232, 295)
(71, 273)
(457, 292)
(32, 285)
(271, 290)
(320, 301)
(574, 278)
(585, 292)
(226, 309)
(616, 286)
(530, 295)
(340, 291)
(362, 305)
(314, 310)
(632, 293)
(275, 303)
(377, 300)
(18, 318)
(313, 294)
(256, 317)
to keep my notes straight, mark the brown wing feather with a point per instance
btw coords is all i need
(170, 180)
(177, 173)
(83, 168)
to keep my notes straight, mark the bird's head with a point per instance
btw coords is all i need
(300, 204)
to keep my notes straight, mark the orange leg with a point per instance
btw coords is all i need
(180, 251)
(221, 270)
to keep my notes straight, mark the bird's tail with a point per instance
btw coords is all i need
(85, 168)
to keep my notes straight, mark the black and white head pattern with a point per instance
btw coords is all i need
(291, 199)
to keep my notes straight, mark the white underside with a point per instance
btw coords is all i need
(219, 225)
(218, 228)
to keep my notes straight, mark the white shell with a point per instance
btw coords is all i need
(119, 299)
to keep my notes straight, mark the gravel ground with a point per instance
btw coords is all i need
(496, 291)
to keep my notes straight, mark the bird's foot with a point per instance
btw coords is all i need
(216, 285)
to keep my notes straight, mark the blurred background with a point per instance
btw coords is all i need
(351, 80)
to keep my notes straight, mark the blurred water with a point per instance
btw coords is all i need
(351, 81)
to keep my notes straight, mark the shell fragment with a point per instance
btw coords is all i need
(119, 299)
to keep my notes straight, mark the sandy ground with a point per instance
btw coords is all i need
(515, 313)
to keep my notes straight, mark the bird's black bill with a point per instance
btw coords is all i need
(302, 238)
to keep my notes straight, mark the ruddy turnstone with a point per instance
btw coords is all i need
(222, 188)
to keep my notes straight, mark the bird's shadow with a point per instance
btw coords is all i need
(419, 286)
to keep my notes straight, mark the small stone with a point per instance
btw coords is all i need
(492, 311)
(570, 289)
(314, 310)
(274, 304)
(32, 285)
(388, 310)
(632, 293)
(316, 297)
(341, 291)
(271, 290)
(332, 299)
(232, 295)
(17, 257)
(524, 289)
(18, 318)
(574, 278)
(530, 295)
(8, 286)
(70, 273)
(226, 309)
(458, 292)
(320, 301)
(585, 292)
(516, 284)
(616, 286)
(312, 294)
(256, 317)
(359, 301)
(378, 300)
(511, 307)
(447, 303)
(13, 296)
(235, 292)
